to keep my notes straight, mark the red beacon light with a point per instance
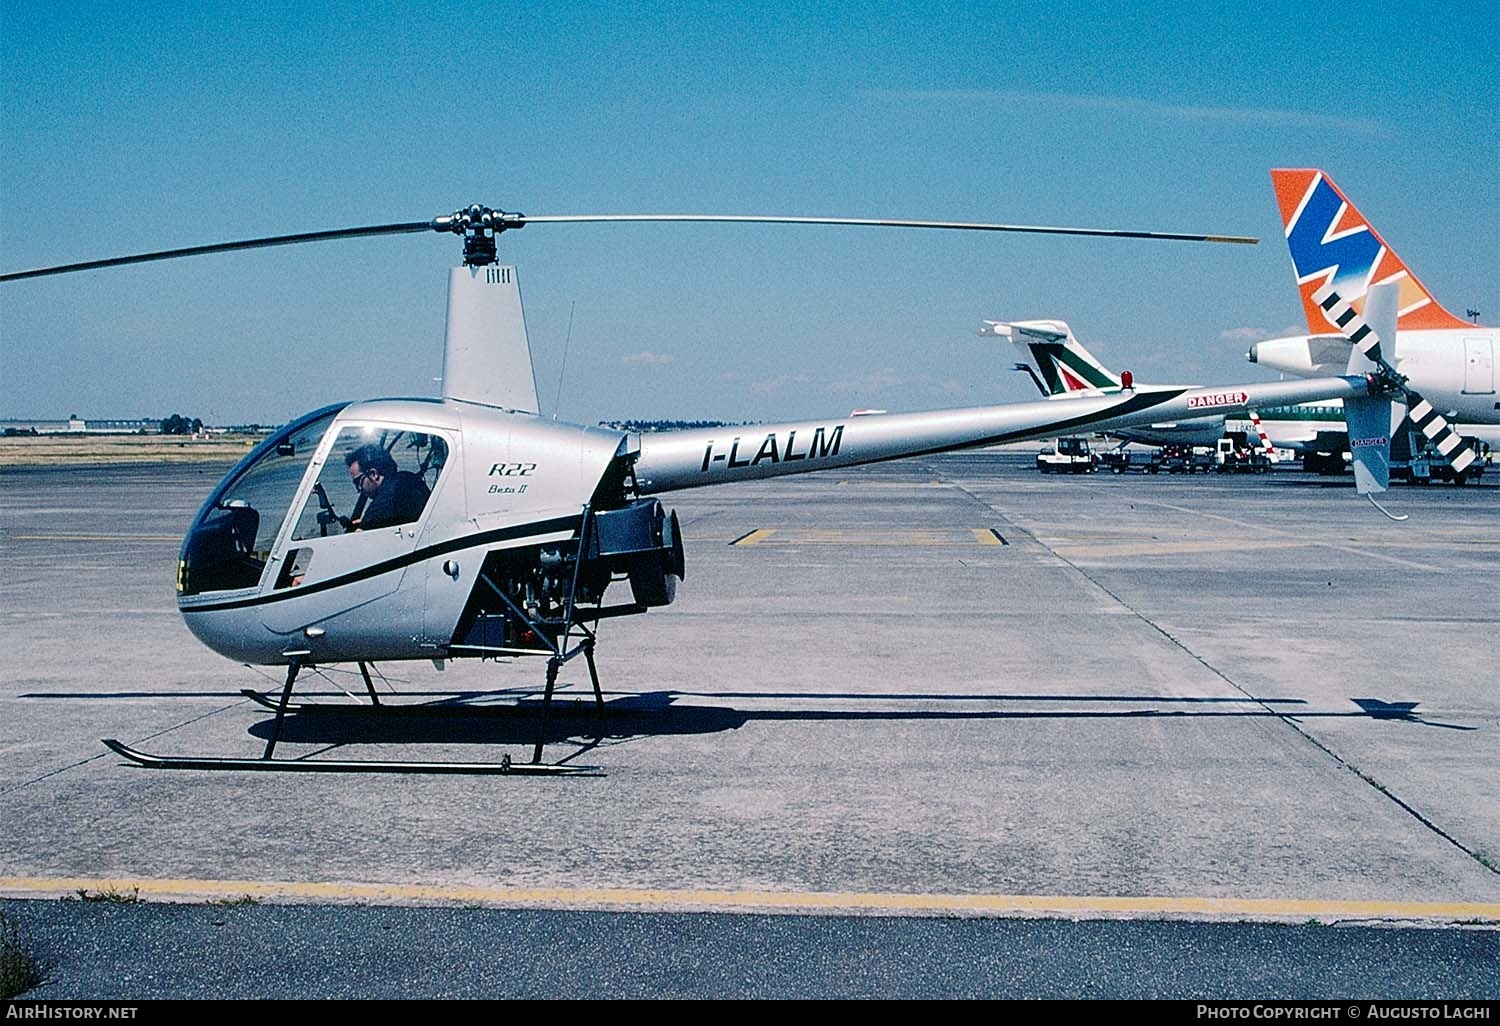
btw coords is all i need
(1127, 379)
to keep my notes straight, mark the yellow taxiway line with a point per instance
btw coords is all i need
(754, 537)
(671, 900)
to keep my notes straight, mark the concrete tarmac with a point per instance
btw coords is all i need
(948, 685)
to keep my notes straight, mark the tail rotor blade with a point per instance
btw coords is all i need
(1438, 431)
(1342, 316)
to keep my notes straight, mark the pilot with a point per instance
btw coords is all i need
(391, 496)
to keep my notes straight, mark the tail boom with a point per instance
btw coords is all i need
(668, 461)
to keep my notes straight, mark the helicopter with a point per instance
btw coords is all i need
(478, 529)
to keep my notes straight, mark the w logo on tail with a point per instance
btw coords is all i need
(1323, 248)
(1332, 244)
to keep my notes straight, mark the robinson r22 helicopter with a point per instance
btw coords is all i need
(482, 530)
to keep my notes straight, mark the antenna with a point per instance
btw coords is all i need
(564, 368)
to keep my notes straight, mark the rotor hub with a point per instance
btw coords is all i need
(1386, 380)
(478, 225)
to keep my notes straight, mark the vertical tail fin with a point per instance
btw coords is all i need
(1332, 243)
(1065, 367)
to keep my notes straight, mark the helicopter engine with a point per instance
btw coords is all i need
(544, 587)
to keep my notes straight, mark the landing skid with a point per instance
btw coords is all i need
(505, 767)
(275, 705)
(283, 704)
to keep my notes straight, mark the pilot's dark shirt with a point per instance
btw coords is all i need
(398, 500)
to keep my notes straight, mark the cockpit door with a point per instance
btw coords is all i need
(358, 523)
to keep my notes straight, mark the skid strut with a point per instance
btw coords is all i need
(364, 671)
(562, 629)
(286, 696)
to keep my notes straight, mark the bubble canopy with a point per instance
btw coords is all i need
(231, 538)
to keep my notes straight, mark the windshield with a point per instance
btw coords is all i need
(232, 537)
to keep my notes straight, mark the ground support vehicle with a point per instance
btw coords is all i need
(1068, 456)
(1121, 461)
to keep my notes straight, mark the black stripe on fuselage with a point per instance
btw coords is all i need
(500, 534)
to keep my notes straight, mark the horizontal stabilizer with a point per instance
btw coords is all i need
(1026, 331)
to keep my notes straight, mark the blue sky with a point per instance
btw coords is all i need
(136, 127)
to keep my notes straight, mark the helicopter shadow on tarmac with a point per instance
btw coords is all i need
(477, 719)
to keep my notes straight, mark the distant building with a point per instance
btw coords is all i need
(78, 425)
(130, 426)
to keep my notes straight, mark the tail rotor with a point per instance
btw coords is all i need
(1364, 338)
(1369, 418)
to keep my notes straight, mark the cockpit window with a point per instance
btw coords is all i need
(232, 537)
(373, 477)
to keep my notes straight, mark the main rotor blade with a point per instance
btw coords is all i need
(482, 219)
(880, 222)
(226, 247)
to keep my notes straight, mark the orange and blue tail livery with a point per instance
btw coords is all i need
(1333, 244)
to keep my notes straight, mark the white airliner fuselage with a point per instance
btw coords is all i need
(1453, 368)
